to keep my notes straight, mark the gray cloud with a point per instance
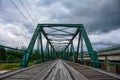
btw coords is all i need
(99, 17)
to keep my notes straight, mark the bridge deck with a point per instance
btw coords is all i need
(58, 70)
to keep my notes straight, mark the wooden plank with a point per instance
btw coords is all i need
(92, 73)
(25, 72)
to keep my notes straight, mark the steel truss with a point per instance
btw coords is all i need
(60, 47)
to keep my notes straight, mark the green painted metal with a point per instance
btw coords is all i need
(73, 52)
(41, 46)
(59, 43)
(1, 46)
(54, 55)
(59, 39)
(51, 57)
(93, 55)
(47, 51)
(56, 31)
(78, 46)
(81, 53)
(46, 37)
(61, 25)
(113, 48)
(61, 30)
(108, 63)
(24, 61)
(50, 52)
(77, 31)
(64, 54)
(38, 50)
(60, 34)
(69, 53)
(66, 51)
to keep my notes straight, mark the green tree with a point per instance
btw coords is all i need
(13, 55)
(34, 55)
(2, 54)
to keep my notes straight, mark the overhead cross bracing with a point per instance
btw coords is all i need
(59, 43)
(59, 36)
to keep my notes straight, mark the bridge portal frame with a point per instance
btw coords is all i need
(82, 36)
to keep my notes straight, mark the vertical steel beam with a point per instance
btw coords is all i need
(49, 52)
(73, 51)
(41, 46)
(69, 53)
(63, 54)
(38, 50)
(81, 53)
(46, 51)
(52, 53)
(78, 46)
(93, 55)
(26, 57)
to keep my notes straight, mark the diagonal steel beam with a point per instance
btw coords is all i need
(61, 30)
(42, 30)
(56, 31)
(77, 31)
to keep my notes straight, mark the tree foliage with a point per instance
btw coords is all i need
(2, 54)
(13, 55)
(9, 54)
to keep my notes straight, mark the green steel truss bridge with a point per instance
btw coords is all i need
(60, 45)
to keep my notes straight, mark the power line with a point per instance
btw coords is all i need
(26, 10)
(19, 10)
(31, 10)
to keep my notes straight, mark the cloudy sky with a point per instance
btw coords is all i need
(101, 18)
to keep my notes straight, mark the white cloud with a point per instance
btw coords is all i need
(110, 38)
(14, 35)
(15, 31)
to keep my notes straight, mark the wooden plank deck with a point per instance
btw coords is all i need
(92, 73)
(58, 70)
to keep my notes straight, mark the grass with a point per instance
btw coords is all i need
(9, 66)
(12, 66)
(31, 63)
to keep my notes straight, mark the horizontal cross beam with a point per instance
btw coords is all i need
(60, 34)
(60, 25)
